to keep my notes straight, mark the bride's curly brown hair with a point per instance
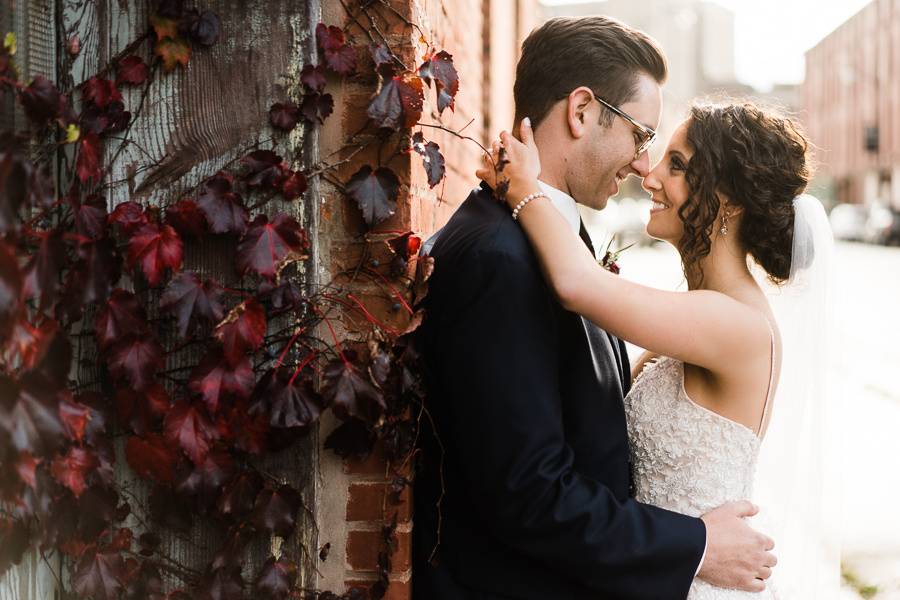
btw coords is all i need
(760, 161)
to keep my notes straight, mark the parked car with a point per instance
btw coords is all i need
(879, 223)
(892, 237)
(848, 222)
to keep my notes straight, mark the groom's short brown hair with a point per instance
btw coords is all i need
(598, 52)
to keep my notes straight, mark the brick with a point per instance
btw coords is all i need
(363, 548)
(398, 589)
(371, 502)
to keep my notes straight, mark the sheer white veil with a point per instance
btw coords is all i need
(796, 485)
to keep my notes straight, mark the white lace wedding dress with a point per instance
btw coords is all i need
(687, 458)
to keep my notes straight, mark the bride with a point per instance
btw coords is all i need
(727, 189)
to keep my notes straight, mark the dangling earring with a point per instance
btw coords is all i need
(724, 229)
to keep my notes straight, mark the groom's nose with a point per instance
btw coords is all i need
(641, 164)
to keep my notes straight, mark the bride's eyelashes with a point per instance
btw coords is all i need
(675, 164)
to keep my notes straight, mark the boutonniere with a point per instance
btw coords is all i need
(610, 260)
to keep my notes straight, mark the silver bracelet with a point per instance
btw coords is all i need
(526, 200)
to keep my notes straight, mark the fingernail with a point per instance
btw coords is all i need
(527, 122)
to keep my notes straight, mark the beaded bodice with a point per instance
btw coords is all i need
(685, 457)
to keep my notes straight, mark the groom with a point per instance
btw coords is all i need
(525, 491)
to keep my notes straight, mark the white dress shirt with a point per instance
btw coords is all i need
(564, 203)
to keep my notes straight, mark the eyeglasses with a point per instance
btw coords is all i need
(647, 135)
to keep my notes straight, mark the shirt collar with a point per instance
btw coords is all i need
(564, 203)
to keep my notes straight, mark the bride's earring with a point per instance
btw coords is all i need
(724, 229)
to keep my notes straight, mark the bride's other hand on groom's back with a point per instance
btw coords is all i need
(737, 556)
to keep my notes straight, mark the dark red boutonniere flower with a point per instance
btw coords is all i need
(610, 260)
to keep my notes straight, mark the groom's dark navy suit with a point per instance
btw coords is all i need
(527, 401)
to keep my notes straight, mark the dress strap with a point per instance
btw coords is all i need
(771, 379)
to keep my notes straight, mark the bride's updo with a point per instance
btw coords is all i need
(760, 161)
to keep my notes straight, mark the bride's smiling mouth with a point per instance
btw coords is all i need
(658, 206)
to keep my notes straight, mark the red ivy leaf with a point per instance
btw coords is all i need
(29, 415)
(276, 510)
(317, 107)
(121, 315)
(70, 469)
(173, 51)
(74, 417)
(375, 193)
(10, 289)
(47, 265)
(90, 216)
(293, 186)
(191, 429)
(440, 67)
(242, 330)
(128, 215)
(87, 165)
(205, 481)
(339, 57)
(223, 208)
(239, 495)
(42, 101)
(284, 115)
(432, 159)
(122, 540)
(275, 579)
(313, 77)
(398, 103)
(131, 70)
(152, 457)
(100, 575)
(267, 246)
(287, 401)
(26, 465)
(350, 393)
(156, 248)
(136, 358)
(140, 409)
(383, 59)
(249, 433)
(100, 91)
(214, 378)
(264, 169)
(187, 218)
(193, 302)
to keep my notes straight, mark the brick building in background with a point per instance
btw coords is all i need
(851, 106)
(484, 37)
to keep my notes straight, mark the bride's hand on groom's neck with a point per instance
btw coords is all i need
(519, 164)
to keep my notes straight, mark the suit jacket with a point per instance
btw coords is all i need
(525, 490)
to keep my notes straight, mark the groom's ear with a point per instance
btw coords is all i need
(578, 103)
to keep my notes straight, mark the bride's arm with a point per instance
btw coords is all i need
(700, 327)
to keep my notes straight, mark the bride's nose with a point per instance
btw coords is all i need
(651, 182)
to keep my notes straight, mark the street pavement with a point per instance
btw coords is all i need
(867, 369)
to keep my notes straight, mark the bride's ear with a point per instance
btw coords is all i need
(578, 104)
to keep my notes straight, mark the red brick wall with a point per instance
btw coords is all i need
(354, 499)
(853, 81)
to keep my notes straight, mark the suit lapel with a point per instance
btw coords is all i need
(611, 341)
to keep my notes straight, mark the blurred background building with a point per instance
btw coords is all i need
(851, 101)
